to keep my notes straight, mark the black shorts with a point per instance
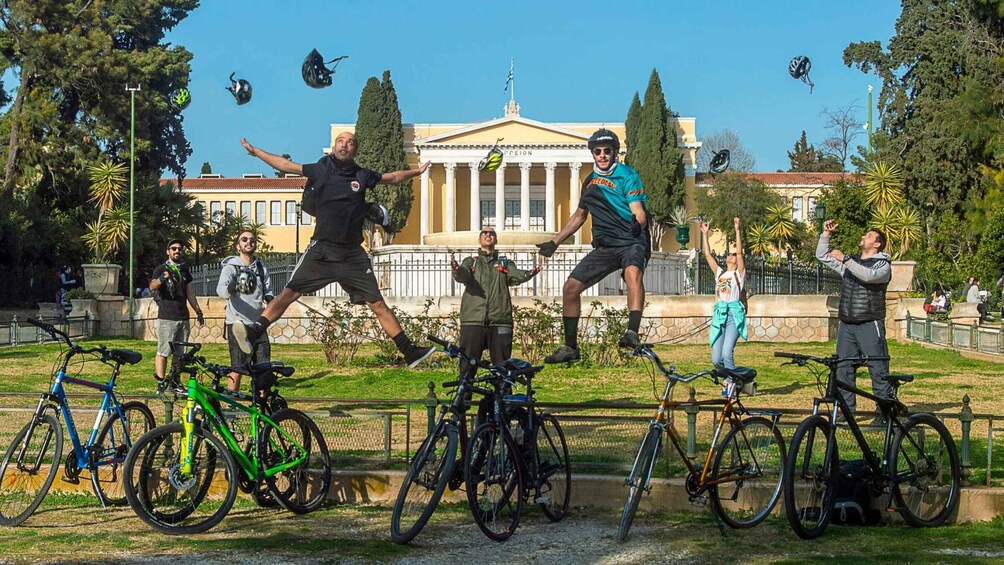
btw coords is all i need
(349, 266)
(605, 260)
(261, 349)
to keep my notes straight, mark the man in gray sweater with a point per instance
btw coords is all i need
(862, 307)
(244, 282)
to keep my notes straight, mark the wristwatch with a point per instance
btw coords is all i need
(845, 259)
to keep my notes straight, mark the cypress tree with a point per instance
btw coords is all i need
(631, 127)
(380, 134)
(657, 159)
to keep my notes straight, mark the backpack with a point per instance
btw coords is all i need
(852, 500)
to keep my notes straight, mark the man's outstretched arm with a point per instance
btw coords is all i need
(397, 177)
(277, 162)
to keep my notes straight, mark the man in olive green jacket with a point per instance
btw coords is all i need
(486, 307)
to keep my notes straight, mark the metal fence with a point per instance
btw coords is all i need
(411, 273)
(763, 277)
(974, 337)
(602, 437)
(17, 332)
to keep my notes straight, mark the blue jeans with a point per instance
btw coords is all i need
(723, 347)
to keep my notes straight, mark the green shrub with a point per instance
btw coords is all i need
(79, 294)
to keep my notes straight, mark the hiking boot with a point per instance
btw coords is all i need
(245, 335)
(629, 340)
(415, 355)
(563, 354)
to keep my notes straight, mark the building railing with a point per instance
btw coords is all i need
(786, 277)
(17, 332)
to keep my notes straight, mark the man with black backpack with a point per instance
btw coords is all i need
(244, 283)
(336, 197)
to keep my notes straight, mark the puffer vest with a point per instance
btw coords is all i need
(861, 302)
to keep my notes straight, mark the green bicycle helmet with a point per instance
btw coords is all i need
(493, 160)
(181, 99)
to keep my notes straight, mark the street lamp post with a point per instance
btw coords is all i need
(132, 205)
(820, 218)
(297, 220)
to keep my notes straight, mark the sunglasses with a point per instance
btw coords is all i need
(175, 248)
(487, 232)
(244, 239)
(603, 151)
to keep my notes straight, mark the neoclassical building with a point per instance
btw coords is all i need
(532, 193)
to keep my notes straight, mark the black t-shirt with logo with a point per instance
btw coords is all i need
(341, 199)
(172, 297)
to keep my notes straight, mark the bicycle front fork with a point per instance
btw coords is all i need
(186, 441)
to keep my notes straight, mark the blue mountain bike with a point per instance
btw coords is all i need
(29, 465)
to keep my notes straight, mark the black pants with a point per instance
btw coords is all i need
(474, 340)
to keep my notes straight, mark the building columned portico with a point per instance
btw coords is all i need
(531, 194)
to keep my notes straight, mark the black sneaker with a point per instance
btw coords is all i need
(415, 355)
(629, 340)
(563, 354)
(245, 335)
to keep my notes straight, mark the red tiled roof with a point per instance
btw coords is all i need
(270, 183)
(791, 179)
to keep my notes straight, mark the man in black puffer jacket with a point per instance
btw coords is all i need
(486, 307)
(862, 306)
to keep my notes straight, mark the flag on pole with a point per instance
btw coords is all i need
(508, 81)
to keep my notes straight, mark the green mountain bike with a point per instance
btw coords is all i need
(182, 478)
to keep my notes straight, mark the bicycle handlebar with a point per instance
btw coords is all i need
(831, 361)
(645, 350)
(51, 330)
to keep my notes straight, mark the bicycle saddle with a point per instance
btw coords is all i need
(125, 356)
(897, 379)
(519, 367)
(273, 366)
(739, 374)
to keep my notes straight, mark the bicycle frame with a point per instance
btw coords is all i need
(208, 400)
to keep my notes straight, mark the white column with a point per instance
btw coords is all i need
(549, 197)
(451, 197)
(475, 196)
(574, 186)
(524, 196)
(424, 206)
(500, 198)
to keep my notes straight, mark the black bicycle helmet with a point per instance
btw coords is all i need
(720, 162)
(605, 137)
(241, 89)
(799, 67)
(314, 71)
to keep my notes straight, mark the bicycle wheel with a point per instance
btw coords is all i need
(116, 437)
(495, 483)
(302, 488)
(28, 469)
(638, 480)
(810, 478)
(748, 469)
(554, 472)
(169, 500)
(424, 484)
(924, 467)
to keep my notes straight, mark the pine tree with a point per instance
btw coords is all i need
(207, 169)
(631, 127)
(380, 135)
(803, 156)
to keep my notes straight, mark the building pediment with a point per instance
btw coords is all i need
(519, 130)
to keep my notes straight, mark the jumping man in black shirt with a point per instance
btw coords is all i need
(334, 253)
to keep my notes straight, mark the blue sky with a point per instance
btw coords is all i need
(723, 62)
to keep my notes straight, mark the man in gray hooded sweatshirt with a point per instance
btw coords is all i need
(244, 282)
(862, 307)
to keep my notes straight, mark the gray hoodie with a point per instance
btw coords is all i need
(880, 273)
(244, 307)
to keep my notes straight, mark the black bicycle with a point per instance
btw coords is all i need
(517, 454)
(919, 464)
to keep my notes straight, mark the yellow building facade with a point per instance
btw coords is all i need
(532, 194)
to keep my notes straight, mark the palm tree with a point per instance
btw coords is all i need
(758, 240)
(110, 230)
(883, 184)
(907, 225)
(780, 225)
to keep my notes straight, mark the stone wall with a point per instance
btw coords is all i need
(679, 319)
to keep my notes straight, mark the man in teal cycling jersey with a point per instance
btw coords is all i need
(615, 197)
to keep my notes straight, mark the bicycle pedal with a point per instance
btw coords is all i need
(701, 501)
(71, 480)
